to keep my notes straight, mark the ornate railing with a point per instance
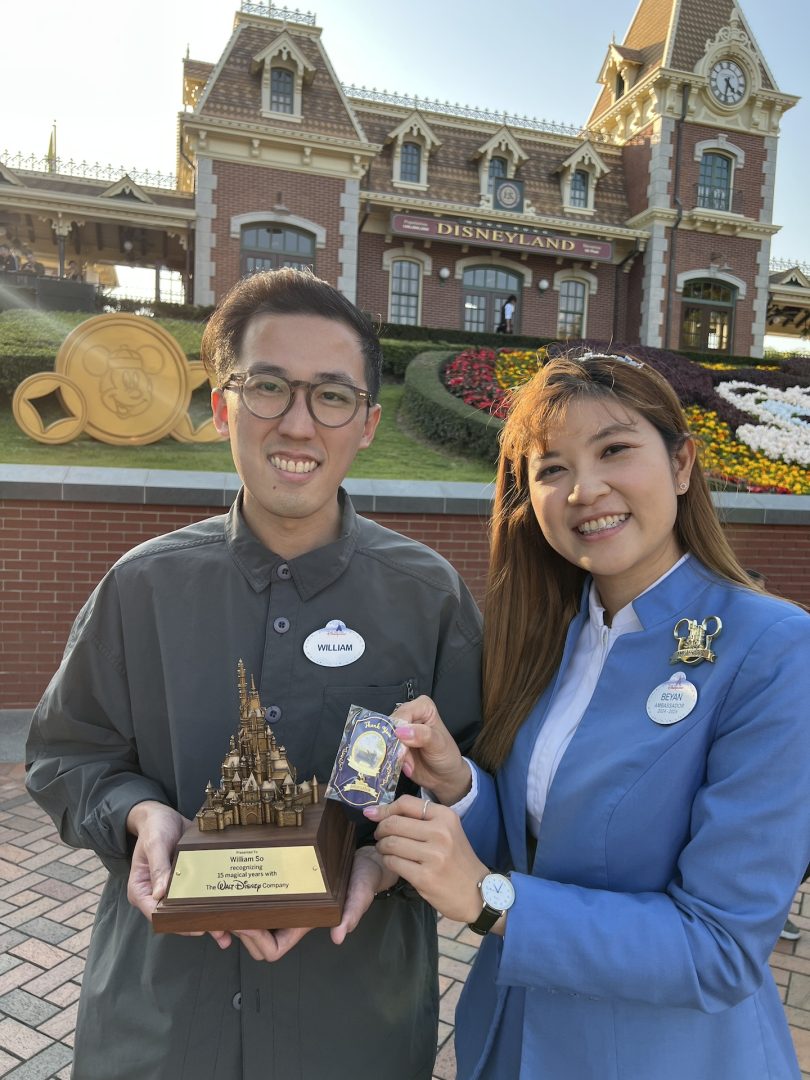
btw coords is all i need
(270, 11)
(86, 170)
(777, 265)
(467, 112)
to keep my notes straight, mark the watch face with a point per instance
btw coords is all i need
(497, 891)
(727, 82)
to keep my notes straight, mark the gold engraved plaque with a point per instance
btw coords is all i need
(252, 871)
(133, 375)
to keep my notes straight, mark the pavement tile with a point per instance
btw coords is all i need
(27, 912)
(456, 950)
(10, 939)
(445, 1031)
(18, 976)
(444, 982)
(97, 879)
(10, 871)
(80, 920)
(7, 962)
(47, 930)
(79, 943)
(61, 872)
(64, 995)
(454, 968)
(21, 824)
(448, 1002)
(16, 800)
(798, 993)
(798, 1018)
(449, 927)
(13, 853)
(6, 908)
(445, 1067)
(40, 953)
(21, 1040)
(61, 890)
(49, 980)
(57, 1027)
(44, 1065)
(14, 888)
(27, 1008)
(8, 834)
(79, 903)
(7, 1062)
(801, 1041)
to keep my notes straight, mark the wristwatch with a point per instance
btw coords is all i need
(497, 895)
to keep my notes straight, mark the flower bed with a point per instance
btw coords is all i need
(754, 429)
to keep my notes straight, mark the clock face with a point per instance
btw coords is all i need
(497, 891)
(727, 82)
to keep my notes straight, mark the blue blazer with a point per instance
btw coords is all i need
(638, 945)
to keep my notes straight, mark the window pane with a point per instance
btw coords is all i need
(690, 331)
(497, 170)
(281, 90)
(475, 312)
(714, 183)
(579, 188)
(405, 292)
(410, 162)
(572, 309)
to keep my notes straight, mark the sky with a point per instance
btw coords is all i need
(110, 75)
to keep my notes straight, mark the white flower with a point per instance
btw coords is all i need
(784, 431)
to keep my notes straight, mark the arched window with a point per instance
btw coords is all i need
(269, 247)
(579, 188)
(497, 171)
(486, 290)
(707, 322)
(281, 90)
(406, 279)
(572, 310)
(410, 163)
(714, 183)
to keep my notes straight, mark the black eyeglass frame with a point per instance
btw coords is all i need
(237, 380)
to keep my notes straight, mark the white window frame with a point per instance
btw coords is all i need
(580, 277)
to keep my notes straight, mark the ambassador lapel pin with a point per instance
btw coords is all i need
(695, 639)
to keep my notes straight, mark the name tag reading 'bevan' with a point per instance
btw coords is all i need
(335, 645)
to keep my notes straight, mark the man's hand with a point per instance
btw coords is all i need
(158, 828)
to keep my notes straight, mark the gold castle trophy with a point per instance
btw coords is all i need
(265, 851)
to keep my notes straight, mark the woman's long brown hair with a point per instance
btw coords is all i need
(533, 593)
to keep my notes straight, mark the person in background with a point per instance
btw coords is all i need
(636, 822)
(8, 262)
(506, 324)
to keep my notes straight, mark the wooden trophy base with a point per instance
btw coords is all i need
(260, 877)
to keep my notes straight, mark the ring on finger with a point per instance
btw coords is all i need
(425, 806)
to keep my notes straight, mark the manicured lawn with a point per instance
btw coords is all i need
(393, 455)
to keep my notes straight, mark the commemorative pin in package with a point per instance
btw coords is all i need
(368, 761)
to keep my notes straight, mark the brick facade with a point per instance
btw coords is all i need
(54, 553)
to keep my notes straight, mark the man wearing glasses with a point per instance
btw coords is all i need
(139, 713)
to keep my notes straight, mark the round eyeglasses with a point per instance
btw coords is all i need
(267, 396)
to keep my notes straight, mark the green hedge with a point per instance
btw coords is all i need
(440, 416)
(441, 337)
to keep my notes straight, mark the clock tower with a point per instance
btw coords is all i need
(690, 97)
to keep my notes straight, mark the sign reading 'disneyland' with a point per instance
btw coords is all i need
(497, 236)
(246, 872)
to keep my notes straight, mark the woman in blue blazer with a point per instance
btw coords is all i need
(642, 775)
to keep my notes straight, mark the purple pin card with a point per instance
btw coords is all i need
(368, 761)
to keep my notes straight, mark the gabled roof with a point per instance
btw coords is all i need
(585, 154)
(414, 124)
(285, 47)
(504, 140)
(126, 188)
(794, 277)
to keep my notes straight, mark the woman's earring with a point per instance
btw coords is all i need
(683, 485)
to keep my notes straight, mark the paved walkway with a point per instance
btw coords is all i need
(48, 894)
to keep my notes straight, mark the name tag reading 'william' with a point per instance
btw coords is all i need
(335, 645)
(244, 872)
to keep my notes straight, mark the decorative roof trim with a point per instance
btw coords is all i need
(414, 124)
(126, 185)
(503, 139)
(290, 53)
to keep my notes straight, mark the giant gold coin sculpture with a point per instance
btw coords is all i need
(133, 374)
(64, 390)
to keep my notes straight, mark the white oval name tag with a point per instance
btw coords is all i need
(334, 646)
(673, 700)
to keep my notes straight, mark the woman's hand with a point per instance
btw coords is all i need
(432, 760)
(425, 844)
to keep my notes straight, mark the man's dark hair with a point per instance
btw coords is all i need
(283, 292)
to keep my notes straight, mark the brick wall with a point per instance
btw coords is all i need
(53, 553)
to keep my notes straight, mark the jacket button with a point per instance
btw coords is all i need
(236, 1001)
(272, 713)
(283, 571)
(281, 626)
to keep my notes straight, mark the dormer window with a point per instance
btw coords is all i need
(281, 90)
(498, 159)
(413, 142)
(579, 188)
(497, 171)
(284, 73)
(410, 163)
(619, 92)
(579, 175)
